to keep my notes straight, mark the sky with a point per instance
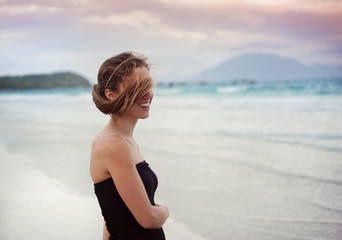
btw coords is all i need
(180, 38)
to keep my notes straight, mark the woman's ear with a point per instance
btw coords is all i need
(110, 94)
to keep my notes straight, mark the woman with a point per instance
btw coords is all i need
(124, 182)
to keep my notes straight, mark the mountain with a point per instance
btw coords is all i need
(43, 81)
(265, 66)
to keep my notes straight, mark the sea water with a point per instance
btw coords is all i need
(242, 160)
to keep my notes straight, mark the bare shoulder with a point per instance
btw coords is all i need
(111, 147)
(109, 153)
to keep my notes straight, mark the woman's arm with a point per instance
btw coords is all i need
(105, 235)
(119, 162)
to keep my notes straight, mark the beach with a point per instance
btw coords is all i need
(233, 162)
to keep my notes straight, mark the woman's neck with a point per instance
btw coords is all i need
(123, 125)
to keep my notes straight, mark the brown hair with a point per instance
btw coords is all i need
(115, 72)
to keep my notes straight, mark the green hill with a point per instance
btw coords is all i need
(43, 81)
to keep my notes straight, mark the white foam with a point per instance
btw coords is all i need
(33, 206)
(45, 96)
(231, 89)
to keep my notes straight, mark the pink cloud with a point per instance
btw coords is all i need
(204, 17)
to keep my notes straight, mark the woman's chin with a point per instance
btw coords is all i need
(145, 116)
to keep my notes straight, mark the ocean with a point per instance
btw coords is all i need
(245, 160)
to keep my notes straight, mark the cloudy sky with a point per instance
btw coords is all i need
(180, 37)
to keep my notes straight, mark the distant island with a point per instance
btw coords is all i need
(43, 81)
(265, 67)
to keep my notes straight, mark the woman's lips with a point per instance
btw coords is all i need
(145, 105)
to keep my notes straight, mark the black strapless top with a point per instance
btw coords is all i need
(120, 222)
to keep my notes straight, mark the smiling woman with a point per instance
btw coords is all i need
(125, 82)
(124, 183)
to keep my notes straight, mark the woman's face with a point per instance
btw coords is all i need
(141, 109)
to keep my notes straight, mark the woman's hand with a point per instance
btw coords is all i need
(165, 208)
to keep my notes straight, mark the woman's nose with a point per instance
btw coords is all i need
(148, 95)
